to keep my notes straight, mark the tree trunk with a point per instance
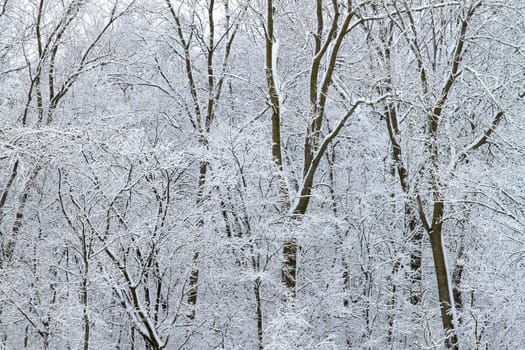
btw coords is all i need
(194, 275)
(289, 269)
(416, 238)
(443, 283)
(194, 280)
(85, 294)
(257, 291)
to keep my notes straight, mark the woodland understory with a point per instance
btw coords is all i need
(262, 174)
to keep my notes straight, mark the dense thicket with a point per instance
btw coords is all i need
(191, 174)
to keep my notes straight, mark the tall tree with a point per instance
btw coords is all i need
(328, 41)
(439, 71)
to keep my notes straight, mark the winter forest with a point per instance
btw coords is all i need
(262, 174)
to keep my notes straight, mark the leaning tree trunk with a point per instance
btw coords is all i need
(443, 283)
(446, 303)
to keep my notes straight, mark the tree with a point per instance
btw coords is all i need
(440, 72)
(323, 65)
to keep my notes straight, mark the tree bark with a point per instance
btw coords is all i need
(446, 303)
(257, 291)
(443, 283)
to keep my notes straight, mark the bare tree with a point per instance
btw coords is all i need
(426, 185)
(328, 42)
